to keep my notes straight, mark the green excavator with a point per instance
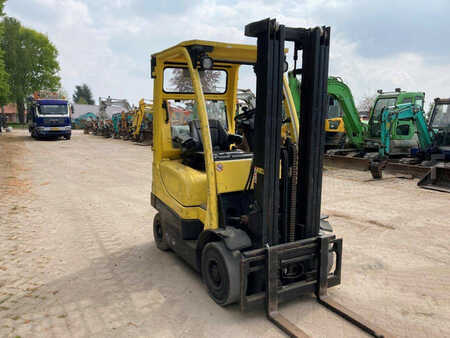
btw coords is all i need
(342, 124)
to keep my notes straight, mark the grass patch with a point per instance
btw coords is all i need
(17, 125)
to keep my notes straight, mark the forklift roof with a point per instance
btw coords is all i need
(221, 51)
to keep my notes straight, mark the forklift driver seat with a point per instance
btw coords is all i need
(192, 145)
(220, 139)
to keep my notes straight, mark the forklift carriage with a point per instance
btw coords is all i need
(248, 221)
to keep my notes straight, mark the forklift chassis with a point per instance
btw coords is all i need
(283, 232)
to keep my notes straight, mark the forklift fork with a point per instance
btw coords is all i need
(273, 259)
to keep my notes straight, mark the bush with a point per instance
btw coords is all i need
(17, 125)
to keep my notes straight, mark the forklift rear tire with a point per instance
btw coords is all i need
(158, 233)
(221, 273)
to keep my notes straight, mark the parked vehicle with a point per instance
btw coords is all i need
(49, 116)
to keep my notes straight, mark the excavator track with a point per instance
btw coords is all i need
(364, 164)
(434, 178)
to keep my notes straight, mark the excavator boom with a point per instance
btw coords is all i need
(337, 89)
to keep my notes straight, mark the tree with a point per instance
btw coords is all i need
(83, 95)
(81, 100)
(30, 60)
(181, 80)
(2, 5)
(4, 78)
(429, 112)
(366, 103)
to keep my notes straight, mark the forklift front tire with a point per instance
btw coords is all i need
(158, 234)
(221, 273)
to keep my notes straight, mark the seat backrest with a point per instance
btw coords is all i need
(219, 136)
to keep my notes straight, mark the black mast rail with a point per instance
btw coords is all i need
(310, 244)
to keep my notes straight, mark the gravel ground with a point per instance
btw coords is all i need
(77, 257)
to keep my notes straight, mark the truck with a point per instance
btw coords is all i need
(49, 116)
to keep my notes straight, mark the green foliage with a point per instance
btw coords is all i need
(83, 95)
(4, 79)
(181, 80)
(81, 100)
(30, 60)
(2, 5)
(4, 86)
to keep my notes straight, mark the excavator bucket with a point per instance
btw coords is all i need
(438, 178)
(146, 137)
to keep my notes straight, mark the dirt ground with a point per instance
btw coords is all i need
(77, 257)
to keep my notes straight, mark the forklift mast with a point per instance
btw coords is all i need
(308, 243)
(314, 44)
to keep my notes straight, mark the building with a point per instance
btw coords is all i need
(10, 110)
(80, 109)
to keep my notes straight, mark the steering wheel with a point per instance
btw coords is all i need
(245, 116)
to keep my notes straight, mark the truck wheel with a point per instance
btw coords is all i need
(221, 274)
(158, 234)
(67, 137)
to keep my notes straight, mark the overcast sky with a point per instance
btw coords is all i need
(374, 44)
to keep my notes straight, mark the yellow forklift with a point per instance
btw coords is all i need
(249, 222)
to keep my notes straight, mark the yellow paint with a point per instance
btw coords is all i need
(186, 185)
(192, 194)
(339, 129)
(232, 175)
(139, 116)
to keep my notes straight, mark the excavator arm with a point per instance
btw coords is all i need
(352, 123)
(139, 127)
(354, 129)
(403, 112)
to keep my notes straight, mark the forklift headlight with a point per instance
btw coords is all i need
(206, 62)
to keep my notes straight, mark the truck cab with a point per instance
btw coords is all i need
(49, 117)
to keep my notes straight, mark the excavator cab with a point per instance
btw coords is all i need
(248, 220)
(403, 132)
(439, 176)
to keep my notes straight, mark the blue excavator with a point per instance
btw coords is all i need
(433, 141)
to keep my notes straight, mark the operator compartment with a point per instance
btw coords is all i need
(184, 173)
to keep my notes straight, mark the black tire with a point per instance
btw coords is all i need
(67, 137)
(221, 273)
(376, 171)
(158, 233)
